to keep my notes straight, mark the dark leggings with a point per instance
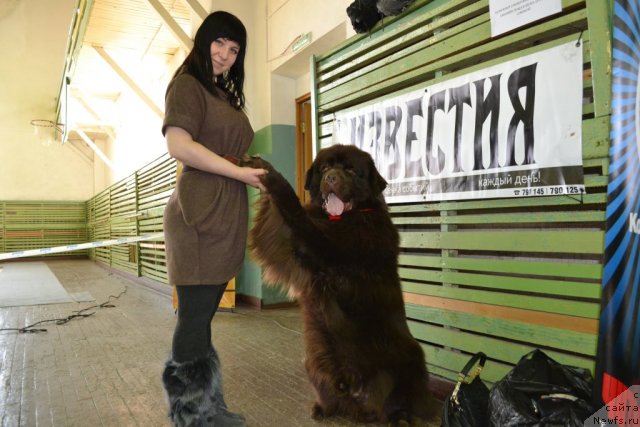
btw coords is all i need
(196, 307)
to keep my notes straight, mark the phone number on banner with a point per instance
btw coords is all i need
(556, 190)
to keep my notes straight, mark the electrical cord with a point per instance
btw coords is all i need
(272, 320)
(79, 313)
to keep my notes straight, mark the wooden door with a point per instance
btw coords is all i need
(303, 144)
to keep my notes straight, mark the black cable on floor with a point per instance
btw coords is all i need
(80, 313)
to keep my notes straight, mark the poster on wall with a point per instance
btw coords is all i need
(509, 130)
(617, 364)
(507, 15)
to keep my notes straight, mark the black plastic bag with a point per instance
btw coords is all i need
(364, 15)
(466, 406)
(541, 392)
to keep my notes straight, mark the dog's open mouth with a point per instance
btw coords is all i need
(334, 206)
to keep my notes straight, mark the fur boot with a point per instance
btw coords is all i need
(194, 393)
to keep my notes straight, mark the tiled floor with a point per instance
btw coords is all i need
(105, 369)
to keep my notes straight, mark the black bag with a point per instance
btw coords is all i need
(466, 406)
(541, 392)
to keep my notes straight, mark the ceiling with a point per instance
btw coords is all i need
(109, 45)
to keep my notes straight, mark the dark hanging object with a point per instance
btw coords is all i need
(364, 15)
(392, 7)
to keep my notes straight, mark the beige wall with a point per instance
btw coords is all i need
(28, 169)
(32, 171)
(287, 20)
(275, 76)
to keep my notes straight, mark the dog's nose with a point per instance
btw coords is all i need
(331, 178)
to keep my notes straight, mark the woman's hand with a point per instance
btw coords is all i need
(182, 147)
(252, 177)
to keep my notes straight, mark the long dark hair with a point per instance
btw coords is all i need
(218, 24)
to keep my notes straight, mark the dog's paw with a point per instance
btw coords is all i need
(317, 413)
(281, 192)
(341, 387)
(400, 419)
(255, 162)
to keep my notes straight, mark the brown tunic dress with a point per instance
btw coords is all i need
(205, 220)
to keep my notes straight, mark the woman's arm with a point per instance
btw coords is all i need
(183, 148)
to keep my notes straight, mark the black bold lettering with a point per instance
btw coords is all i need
(357, 131)
(434, 164)
(412, 168)
(485, 106)
(458, 96)
(393, 115)
(375, 123)
(524, 77)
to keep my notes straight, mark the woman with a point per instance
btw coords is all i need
(205, 220)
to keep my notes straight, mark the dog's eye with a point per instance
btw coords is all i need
(350, 171)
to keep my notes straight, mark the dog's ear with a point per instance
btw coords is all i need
(378, 183)
(307, 182)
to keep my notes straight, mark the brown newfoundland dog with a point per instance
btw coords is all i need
(338, 257)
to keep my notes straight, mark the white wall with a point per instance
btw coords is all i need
(328, 23)
(32, 171)
(29, 170)
(139, 140)
(288, 19)
(275, 76)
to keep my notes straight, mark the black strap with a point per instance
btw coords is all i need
(464, 378)
(479, 358)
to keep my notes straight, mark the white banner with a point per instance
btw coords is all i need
(510, 130)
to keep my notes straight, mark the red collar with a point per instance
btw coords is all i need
(339, 217)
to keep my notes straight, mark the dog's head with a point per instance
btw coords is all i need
(363, 14)
(343, 177)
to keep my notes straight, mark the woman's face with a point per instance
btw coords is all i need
(223, 54)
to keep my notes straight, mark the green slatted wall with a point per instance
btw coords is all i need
(2, 237)
(131, 207)
(35, 225)
(156, 182)
(502, 276)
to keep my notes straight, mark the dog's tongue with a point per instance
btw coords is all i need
(334, 205)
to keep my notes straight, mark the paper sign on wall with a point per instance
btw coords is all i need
(507, 15)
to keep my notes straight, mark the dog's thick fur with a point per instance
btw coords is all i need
(360, 356)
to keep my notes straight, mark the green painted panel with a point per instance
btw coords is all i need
(567, 307)
(505, 218)
(422, 11)
(447, 363)
(575, 342)
(419, 67)
(599, 16)
(560, 287)
(404, 38)
(415, 44)
(28, 225)
(508, 352)
(595, 137)
(562, 268)
(575, 241)
(568, 201)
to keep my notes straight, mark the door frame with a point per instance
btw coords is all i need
(304, 142)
